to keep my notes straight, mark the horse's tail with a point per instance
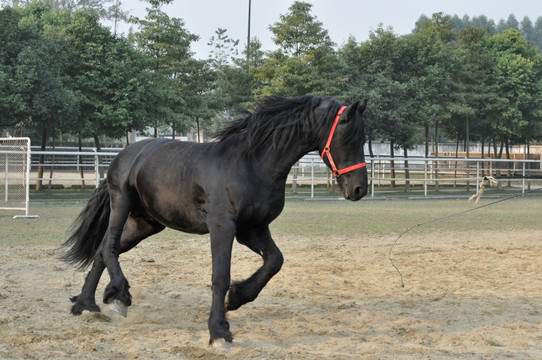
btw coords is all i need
(88, 230)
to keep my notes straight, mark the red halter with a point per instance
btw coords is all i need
(336, 172)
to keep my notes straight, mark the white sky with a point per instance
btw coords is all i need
(340, 17)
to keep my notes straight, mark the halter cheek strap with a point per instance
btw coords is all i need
(327, 152)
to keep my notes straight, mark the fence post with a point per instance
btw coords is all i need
(312, 178)
(477, 176)
(7, 177)
(523, 180)
(372, 178)
(425, 179)
(97, 167)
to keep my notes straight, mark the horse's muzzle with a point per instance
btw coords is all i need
(353, 192)
(356, 194)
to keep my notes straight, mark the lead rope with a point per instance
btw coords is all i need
(475, 197)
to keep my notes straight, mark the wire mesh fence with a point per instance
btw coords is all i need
(14, 173)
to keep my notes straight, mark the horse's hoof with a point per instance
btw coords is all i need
(118, 306)
(78, 309)
(222, 345)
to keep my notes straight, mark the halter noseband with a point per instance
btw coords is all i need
(336, 172)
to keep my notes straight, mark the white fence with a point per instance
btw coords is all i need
(311, 178)
(421, 175)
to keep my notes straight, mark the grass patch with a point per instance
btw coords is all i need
(311, 218)
(345, 218)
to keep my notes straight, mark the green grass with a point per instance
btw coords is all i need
(394, 216)
(312, 218)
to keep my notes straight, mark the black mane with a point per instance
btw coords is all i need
(277, 121)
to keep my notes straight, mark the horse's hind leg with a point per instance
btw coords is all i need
(135, 230)
(261, 243)
(87, 300)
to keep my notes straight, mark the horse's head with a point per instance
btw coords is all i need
(343, 152)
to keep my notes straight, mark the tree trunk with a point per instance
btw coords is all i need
(456, 157)
(508, 165)
(294, 180)
(528, 166)
(407, 171)
(436, 154)
(197, 128)
(497, 156)
(100, 160)
(81, 167)
(427, 140)
(44, 136)
(467, 145)
(392, 165)
(52, 162)
(436, 137)
(483, 162)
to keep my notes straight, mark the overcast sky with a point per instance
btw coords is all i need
(341, 18)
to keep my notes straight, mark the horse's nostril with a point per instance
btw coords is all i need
(359, 192)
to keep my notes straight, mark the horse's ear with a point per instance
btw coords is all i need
(357, 106)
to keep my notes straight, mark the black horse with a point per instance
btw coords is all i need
(231, 188)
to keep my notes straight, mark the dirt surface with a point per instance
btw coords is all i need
(467, 295)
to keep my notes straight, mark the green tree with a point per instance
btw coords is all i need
(471, 95)
(197, 84)
(527, 28)
(166, 43)
(431, 61)
(234, 82)
(516, 80)
(305, 61)
(33, 64)
(109, 78)
(12, 41)
(536, 36)
(391, 91)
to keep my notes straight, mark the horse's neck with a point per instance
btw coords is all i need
(277, 165)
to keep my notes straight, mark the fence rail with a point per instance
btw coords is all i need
(311, 178)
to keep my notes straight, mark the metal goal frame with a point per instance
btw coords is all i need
(15, 167)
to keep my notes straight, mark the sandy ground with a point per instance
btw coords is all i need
(467, 296)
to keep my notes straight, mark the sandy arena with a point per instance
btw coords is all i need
(467, 295)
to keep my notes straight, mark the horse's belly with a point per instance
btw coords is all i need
(180, 215)
(185, 223)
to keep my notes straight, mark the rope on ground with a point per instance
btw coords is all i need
(475, 197)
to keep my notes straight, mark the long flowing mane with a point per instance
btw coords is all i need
(277, 121)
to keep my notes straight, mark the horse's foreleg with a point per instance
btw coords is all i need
(221, 246)
(116, 292)
(261, 243)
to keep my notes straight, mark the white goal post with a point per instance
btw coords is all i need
(15, 175)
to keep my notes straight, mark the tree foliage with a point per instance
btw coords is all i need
(165, 42)
(463, 78)
(305, 61)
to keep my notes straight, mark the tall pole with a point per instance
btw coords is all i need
(248, 36)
